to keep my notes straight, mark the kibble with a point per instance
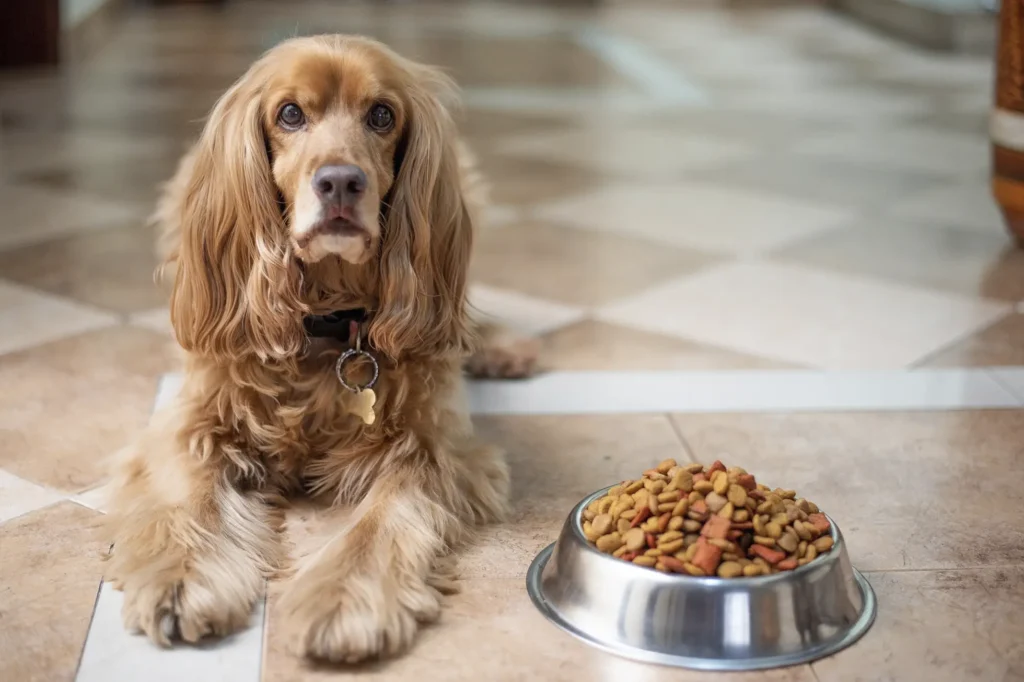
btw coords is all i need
(698, 520)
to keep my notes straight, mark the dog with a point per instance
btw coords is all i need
(319, 233)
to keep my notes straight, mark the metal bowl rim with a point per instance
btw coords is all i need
(575, 520)
(856, 631)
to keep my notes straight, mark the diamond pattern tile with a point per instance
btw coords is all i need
(701, 216)
(722, 187)
(29, 318)
(576, 267)
(802, 315)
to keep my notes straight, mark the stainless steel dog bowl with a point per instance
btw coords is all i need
(703, 623)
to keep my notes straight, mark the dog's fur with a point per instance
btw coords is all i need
(194, 516)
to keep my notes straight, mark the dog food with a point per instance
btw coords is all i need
(706, 521)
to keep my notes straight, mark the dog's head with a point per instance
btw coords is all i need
(331, 152)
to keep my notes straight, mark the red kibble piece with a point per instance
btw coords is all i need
(787, 564)
(747, 481)
(716, 527)
(707, 558)
(640, 516)
(768, 554)
(820, 522)
(717, 466)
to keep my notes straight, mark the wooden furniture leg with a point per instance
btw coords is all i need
(1007, 124)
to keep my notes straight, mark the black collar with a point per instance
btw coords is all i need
(336, 325)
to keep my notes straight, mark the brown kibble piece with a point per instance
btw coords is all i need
(665, 466)
(715, 502)
(634, 539)
(609, 543)
(647, 561)
(823, 544)
(602, 524)
(729, 569)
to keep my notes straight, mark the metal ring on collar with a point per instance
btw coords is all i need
(350, 354)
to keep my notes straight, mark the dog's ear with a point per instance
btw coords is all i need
(236, 288)
(428, 231)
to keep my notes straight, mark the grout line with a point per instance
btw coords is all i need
(995, 376)
(682, 439)
(92, 616)
(969, 334)
(997, 567)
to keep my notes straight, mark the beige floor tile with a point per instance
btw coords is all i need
(525, 182)
(806, 316)
(942, 626)
(556, 462)
(67, 406)
(520, 313)
(28, 318)
(49, 573)
(575, 267)
(491, 631)
(999, 345)
(112, 269)
(712, 218)
(33, 215)
(962, 261)
(891, 481)
(629, 154)
(594, 345)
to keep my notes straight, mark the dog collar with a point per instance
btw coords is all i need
(337, 325)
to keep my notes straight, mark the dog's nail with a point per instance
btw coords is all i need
(169, 626)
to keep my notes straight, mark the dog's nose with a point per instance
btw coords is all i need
(339, 184)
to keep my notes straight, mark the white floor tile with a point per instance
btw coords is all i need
(628, 154)
(967, 204)
(736, 391)
(931, 150)
(521, 313)
(29, 318)
(18, 496)
(806, 316)
(157, 319)
(741, 391)
(94, 499)
(706, 217)
(112, 654)
(32, 215)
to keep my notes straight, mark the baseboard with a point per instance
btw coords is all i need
(968, 32)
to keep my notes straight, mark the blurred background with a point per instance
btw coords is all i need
(705, 185)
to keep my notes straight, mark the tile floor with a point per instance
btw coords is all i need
(760, 234)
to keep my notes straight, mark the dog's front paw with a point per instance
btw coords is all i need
(166, 609)
(359, 617)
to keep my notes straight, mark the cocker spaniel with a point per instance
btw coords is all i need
(319, 234)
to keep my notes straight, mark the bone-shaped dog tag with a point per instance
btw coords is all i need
(362, 406)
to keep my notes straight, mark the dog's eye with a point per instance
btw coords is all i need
(381, 118)
(290, 116)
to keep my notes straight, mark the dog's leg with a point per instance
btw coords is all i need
(190, 551)
(366, 592)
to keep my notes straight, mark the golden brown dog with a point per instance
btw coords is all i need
(328, 178)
